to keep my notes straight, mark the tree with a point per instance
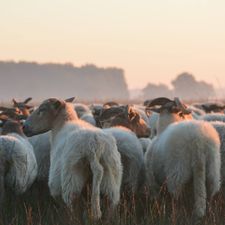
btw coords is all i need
(186, 87)
(153, 91)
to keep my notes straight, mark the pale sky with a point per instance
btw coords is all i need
(152, 40)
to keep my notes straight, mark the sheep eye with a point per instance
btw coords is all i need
(40, 112)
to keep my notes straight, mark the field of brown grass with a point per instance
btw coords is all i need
(37, 208)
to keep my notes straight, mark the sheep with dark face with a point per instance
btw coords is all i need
(125, 116)
(213, 117)
(79, 152)
(211, 107)
(154, 116)
(23, 106)
(182, 151)
(18, 163)
(12, 113)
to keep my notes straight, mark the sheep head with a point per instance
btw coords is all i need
(165, 104)
(41, 120)
(125, 116)
(23, 106)
(110, 104)
(12, 126)
(12, 113)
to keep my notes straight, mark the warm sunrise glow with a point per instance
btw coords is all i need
(151, 40)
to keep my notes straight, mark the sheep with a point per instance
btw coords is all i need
(84, 113)
(41, 146)
(13, 113)
(211, 107)
(96, 109)
(220, 128)
(183, 150)
(110, 104)
(132, 157)
(213, 117)
(153, 118)
(23, 106)
(125, 116)
(18, 162)
(196, 112)
(88, 117)
(141, 111)
(145, 142)
(77, 150)
(81, 109)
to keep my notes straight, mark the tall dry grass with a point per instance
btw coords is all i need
(36, 207)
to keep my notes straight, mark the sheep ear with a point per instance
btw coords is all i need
(14, 102)
(27, 100)
(147, 102)
(72, 99)
(148, 112)
(57, 104)
(131, 113)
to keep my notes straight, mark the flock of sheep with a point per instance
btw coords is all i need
(114, 149)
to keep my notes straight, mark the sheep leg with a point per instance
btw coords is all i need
(78, 209)
(109, 189)
(140, 208)
(177, 176)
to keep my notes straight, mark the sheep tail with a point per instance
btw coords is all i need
(199, 187)
(97, 171)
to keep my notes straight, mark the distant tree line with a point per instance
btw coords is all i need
(88, 82)
(184, 85)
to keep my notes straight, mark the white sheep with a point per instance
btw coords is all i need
(41, 146)
(132, 157)
(81, 109)
(141, 110)
(88, 117)
(153, 118)
(196, 112)
(19, 166)
(79, 152)
(84, 113)
(145, 142)
(220, 128)
(182, 151)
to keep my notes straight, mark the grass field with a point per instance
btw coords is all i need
(36, 207)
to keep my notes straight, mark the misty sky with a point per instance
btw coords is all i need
(152, 40)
